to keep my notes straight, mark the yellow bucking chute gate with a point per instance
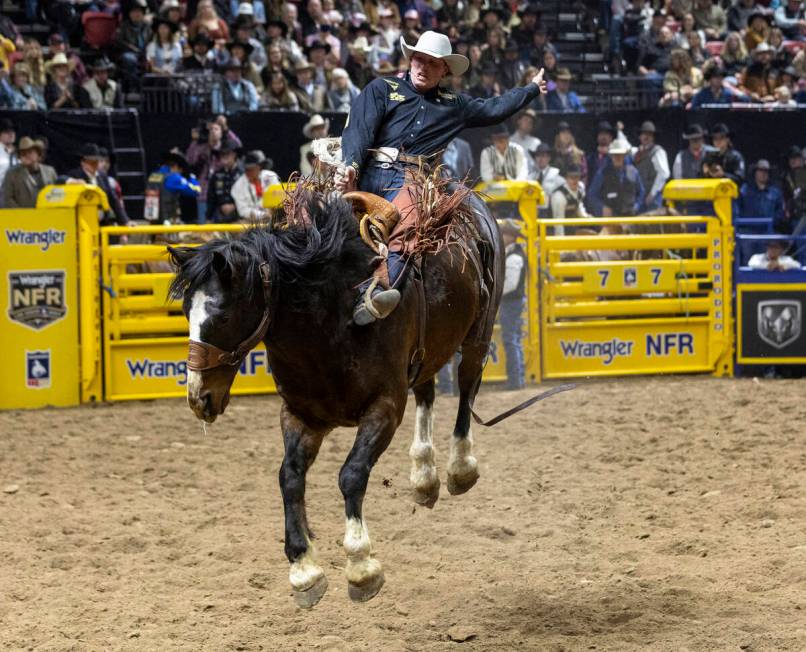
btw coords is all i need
(626, 295)
(88, 318)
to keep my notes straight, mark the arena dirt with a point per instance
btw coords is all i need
(654, 514)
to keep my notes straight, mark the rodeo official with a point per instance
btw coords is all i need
(399, 122)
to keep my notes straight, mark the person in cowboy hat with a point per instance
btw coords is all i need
(548, 176)
(131, 39)
(8, 155)
(23, 182)
(760, 198)
(24, 95)
(249, 187)
(165, 188)
(597, 159)
(652, 163)
(503, 160)
(562, 98)
(410, 120)
(60, 91)
(774, 259)
(714, 91)
(235, 93)
(688, 162)
(88, 172)
(163, 53)
(202, 58)
(513, 302)
(312, 96)
(732, 159)
(100, 92)
(316, 127)
(358, 64)
(616, 189)
(246, 30)
(525, 124)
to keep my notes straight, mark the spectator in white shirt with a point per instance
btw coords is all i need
(545, 174)
(8, 157)
(248, 189)
(773, 259)
(503, 160)
(523, 136)
(164, 54)
(568, 201)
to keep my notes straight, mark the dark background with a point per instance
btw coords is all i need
(757, 134)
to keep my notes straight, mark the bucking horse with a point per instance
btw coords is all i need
(293, 286)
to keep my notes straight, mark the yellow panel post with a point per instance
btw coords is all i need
(274, 195)
(88, 201)
(528, 195)
(720, 192)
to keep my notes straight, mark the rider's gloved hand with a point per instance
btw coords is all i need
(344, 180)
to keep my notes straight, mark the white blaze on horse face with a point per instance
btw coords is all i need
(361, 565)
(198, 314)
(461, 462)
(423, 476)
(196, 317)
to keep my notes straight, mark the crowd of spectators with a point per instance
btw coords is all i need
(627, 178)
(702, 52)
(209, 182)
(316, 55)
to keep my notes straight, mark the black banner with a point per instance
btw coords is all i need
(279, 134)
(772, 325)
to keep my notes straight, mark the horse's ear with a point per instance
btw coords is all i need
(181, 255)
(221, 266)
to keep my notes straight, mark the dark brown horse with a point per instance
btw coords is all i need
(294, 288)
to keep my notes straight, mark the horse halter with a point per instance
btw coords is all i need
(203, 356)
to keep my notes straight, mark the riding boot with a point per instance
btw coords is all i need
(379, 296)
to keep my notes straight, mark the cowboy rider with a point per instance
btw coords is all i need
(399, 122)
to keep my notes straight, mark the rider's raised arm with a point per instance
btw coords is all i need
(481, 113)
(365, 118)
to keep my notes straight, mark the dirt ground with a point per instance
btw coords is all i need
(653, 514)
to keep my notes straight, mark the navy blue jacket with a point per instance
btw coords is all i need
(389, 112)
(554, 103)
(755, 202)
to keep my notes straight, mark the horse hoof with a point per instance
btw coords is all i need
(459, 484)
(310, 596)
(426, 497)
(367, 590)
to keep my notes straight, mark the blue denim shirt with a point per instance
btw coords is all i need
(389, 112)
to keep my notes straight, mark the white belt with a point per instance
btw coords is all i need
(385, 154)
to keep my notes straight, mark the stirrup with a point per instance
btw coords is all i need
(368, 311)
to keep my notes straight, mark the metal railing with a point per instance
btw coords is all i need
(181, 93)
(624, 93)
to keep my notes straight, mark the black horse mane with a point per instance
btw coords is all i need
(307, 253)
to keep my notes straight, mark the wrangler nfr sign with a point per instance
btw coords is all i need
(37, 298)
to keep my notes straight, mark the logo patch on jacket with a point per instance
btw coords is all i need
(397, 97)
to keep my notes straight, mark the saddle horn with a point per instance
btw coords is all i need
(377, 217)
(367, 202)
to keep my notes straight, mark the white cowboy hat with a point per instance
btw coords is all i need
(618, 147)
(437, 46)
(361, 44)
(315, 121)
